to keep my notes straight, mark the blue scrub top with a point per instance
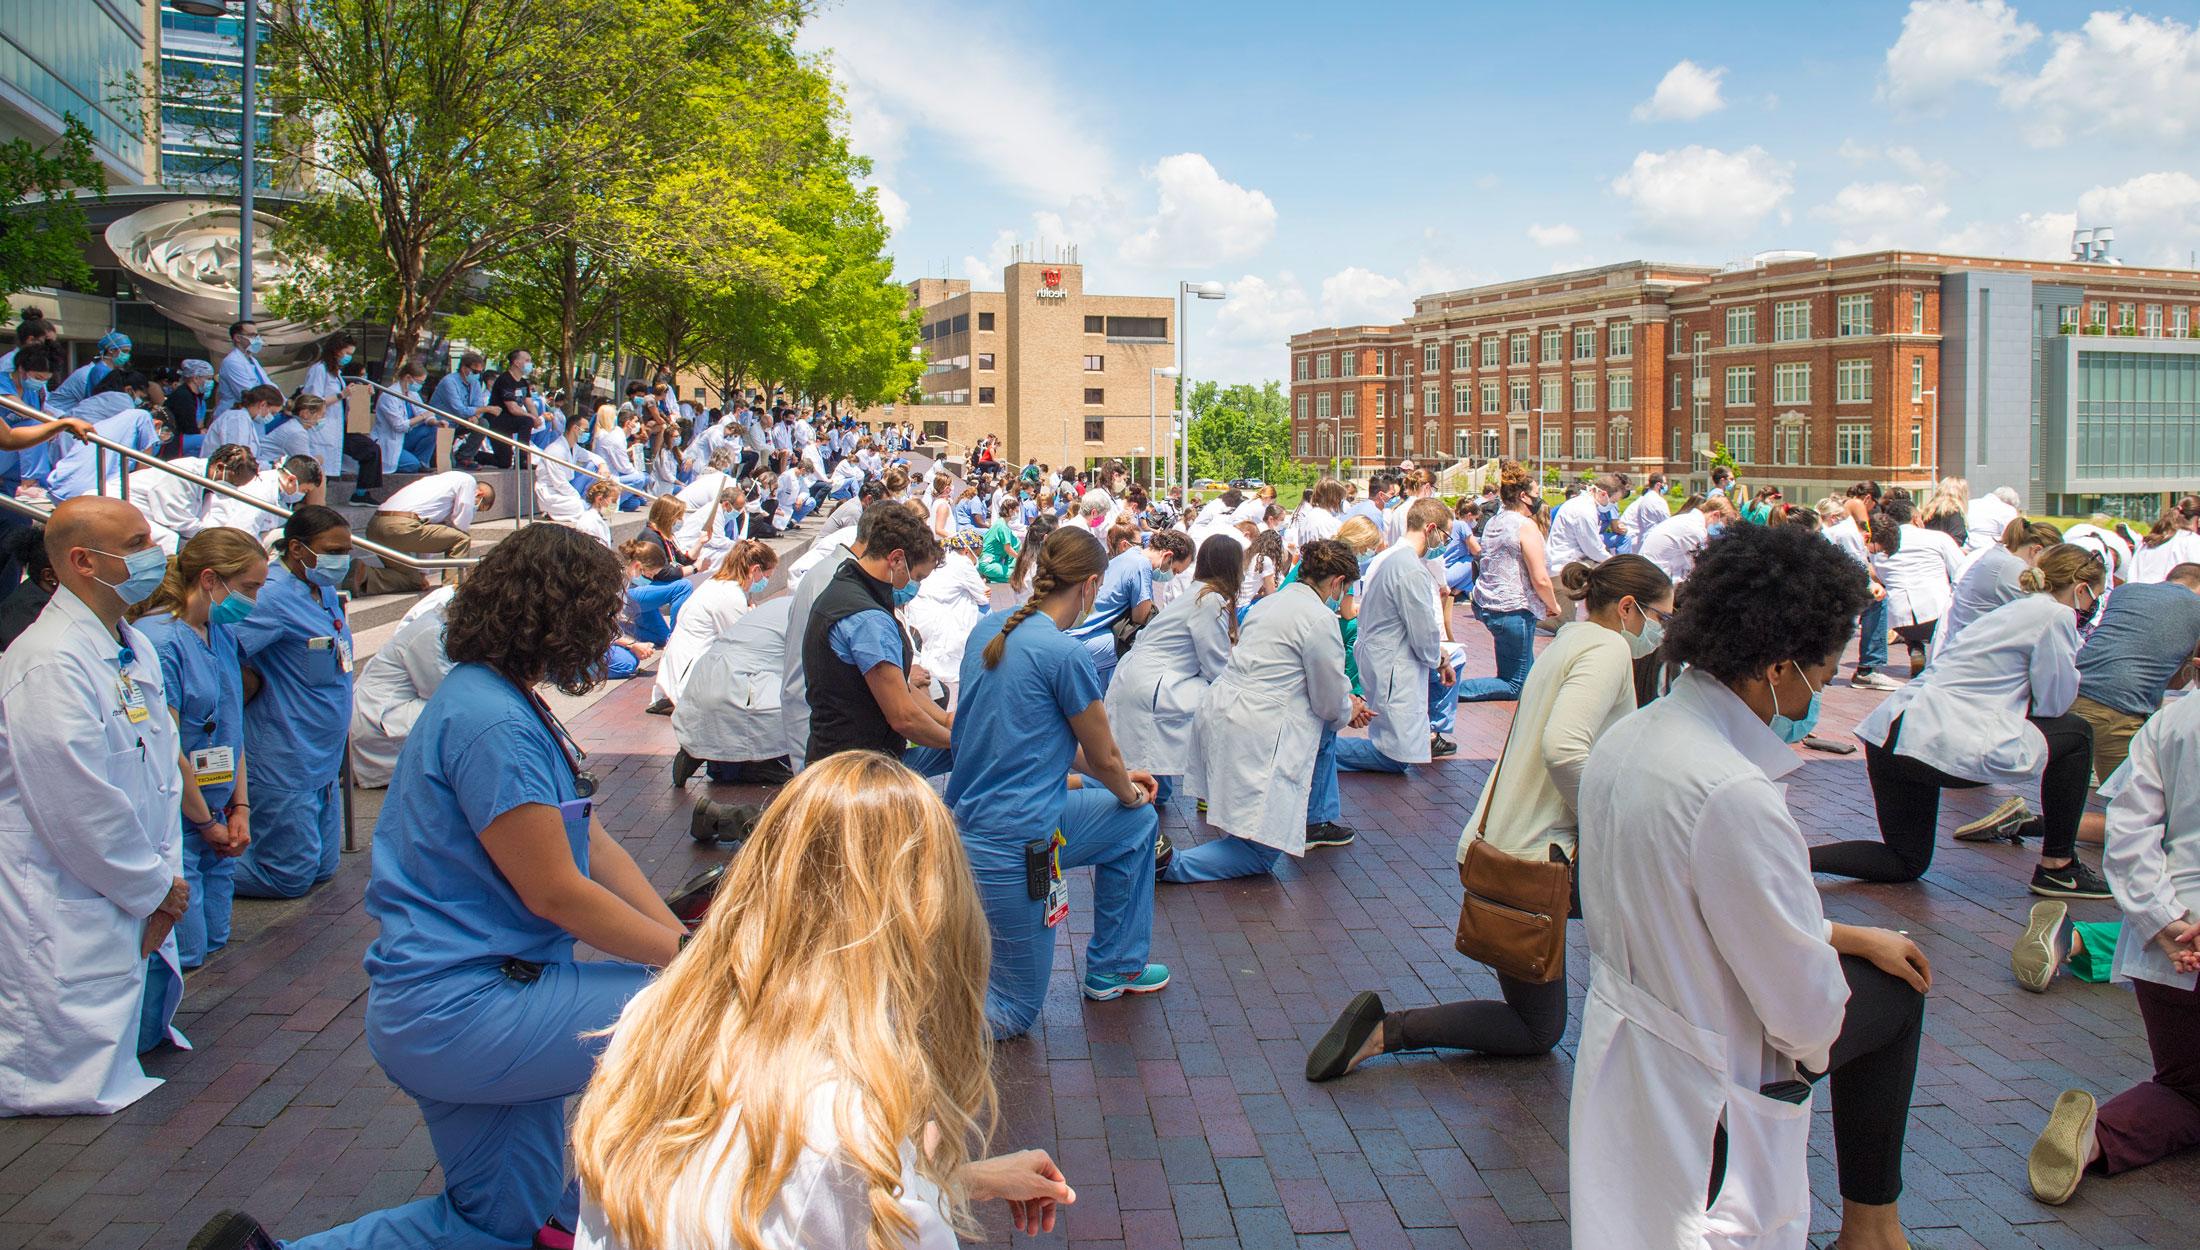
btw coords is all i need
(1013, 744)
(294, 729)
(478, 750)
(204, 684)
(1127, 583)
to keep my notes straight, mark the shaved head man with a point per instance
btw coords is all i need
(90, 541)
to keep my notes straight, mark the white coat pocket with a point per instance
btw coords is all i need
(1764, 1202)
(92, 941)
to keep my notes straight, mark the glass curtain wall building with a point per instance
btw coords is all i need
(73, 59)
(198, 140)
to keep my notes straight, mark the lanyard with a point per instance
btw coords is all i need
(584, 782)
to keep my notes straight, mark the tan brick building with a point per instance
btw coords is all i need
(1811, 373)
(1062, 375)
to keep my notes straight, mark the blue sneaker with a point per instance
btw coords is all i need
(1102, 986)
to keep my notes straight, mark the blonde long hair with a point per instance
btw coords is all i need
(846, 944)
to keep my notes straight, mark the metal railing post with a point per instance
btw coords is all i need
(523, 452)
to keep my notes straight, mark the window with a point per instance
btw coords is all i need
(1585, 342)
(1302, 407)
(1791, 321)
(1790, 444)
(1917, 444)
(1351, 444)
(1462, 400)
(1585, 443)
(1095, 395)
(1489, 398)
(1622, 440)
(1852, 444)
(1519, 396)
(1554, 442)
(1680, 390)
(2126, 316)
(1461, 352)
(1680, 446)
(1619, 392)
(1917, 379)
(1096, 430)
(935, 429)
(1431, 401)
(1321, 407)
(1322, 367)
(1852, 316)
(1380, 449)
(1621, 338)
(1552, 400)
(1302, 444)
(1852, 382)
(1489, 352)
(1094, 364)
(2099, 313)
(1741, 325)
(985, 321)
(2180, 321)
(1741, 386)
(2154, 321)
(1917, 312)
(985, 394)
(1376, 363)
(1585, 392)
(1741, 443)
(1348, 363)
(1428, 357)
(2070, 319)
(1301, 369)
(1490, 443)
(1791, 384)
(1096, 325)
(1348, 405)
(962, 323)
(1519, 349)
(1379, 396)
(1551, 345)
(1462, 444)
(1155, 329)
(985, 360)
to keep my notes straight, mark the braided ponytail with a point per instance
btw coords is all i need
(1068, 556)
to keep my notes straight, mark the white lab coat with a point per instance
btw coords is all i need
(2114, 551)
(704, 619)
(234, 427)
(1965, 714)
(1162, 680)
(1401, 643)
(1920, 578)
(1984, 521)
(171, 504)
(258, 522)
(392, 691)
(732, 707)
(90, 843)
(2152, 564)
(1674, 543)
(2152, 856)
(1260, 726)
(949, 602)
(1710, 975)
(794, 696)
(1649, 510)
(1989, 579)
(1576, 533)
(554, 493)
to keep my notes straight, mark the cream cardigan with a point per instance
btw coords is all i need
(1580, 686)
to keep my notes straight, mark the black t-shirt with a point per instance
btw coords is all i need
(507, 389)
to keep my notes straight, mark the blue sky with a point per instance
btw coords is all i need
(1327, 163)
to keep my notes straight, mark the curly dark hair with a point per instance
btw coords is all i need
(543, 605)
(1762, 595)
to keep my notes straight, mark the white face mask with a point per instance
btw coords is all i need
(1653, 633)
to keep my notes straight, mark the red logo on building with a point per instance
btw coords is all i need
(1052, 277)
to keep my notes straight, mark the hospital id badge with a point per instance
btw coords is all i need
(133, 701)
(1057, 889)
(343, 654)
(214, 766)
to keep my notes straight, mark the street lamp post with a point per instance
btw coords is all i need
(1153, 421)
(247, 135)
(1204, 290)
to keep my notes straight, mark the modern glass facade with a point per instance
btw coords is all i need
(75, 58)
(2121, 419)
(198, 135)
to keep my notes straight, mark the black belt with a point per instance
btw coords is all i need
(523, 971)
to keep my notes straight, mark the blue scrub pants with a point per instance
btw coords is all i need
(1226, 857)
(639, 481)
(297, 842)
(153, 1014)
(621, 663)
(1101, 647)
(1117, 841)
(1514, 634)
(657, 609)
(1460, 577)
(1323, 801)
(930, 762)
(1443, 700)
(1358, 755)
(491, 1066)
(204, 928)
(192, 443)
(1871, 645)
(542, 438)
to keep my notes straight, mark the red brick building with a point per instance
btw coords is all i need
(1811, 372)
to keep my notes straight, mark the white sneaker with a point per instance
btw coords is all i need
(2039, 953)
(1998, 825)
(1874, 681)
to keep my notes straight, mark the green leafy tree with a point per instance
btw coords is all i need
(44, 235)
(1242, 431)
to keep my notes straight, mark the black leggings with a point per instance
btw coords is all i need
(1874, 1070)
(1906, 793)
(1529, 1022)
(369, 455)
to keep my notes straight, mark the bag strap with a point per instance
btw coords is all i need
(1481, 827)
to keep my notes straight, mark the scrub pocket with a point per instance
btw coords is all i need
(1767, 1188)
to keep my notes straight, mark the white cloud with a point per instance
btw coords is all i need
(2123, 72)
(1201, 217)
(1947, 43)
(2029, 236)
(985, 273)
(1560, 235)
(1357, 296)
(2156, 216)
(1700, 194)
(1906, 159)
(892, 209)
(1869, 216)
(1688, 91)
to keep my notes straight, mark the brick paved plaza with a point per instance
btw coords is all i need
(1182, 1118)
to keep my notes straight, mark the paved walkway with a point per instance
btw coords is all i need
(1182, 1118)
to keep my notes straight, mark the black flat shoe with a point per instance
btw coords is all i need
(1440, 746)
(722, 824)
(662, 707)
(1332, 1055)
(684, 766)
(233, 1230)
(1164, 853)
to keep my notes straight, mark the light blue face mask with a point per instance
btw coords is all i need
(329, 570)
(756, 587)
(1794, 730)
(1164, 575)
(344, 359)
(146, 570)
(231, 610)
(904, 595)
(255, 344)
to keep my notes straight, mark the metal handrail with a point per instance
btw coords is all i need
(506, 439)
(33, 511)
(104, 446)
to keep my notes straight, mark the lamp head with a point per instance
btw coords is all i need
(201, 8)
